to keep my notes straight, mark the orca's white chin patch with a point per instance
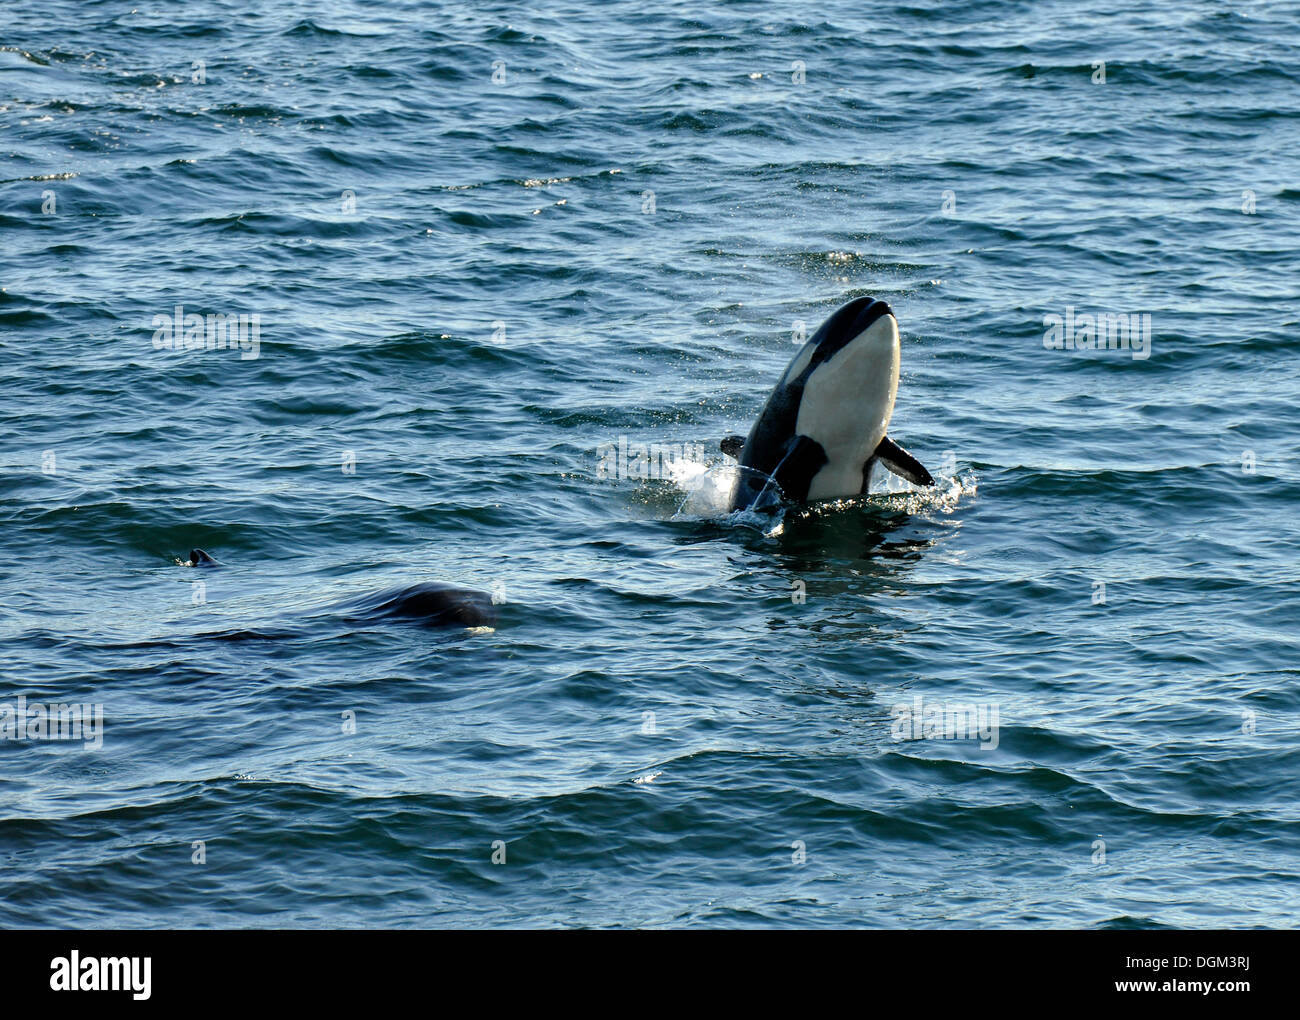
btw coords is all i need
(846, 406)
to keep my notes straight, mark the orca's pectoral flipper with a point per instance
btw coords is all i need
(789, 480)
(804, 457)
(901, 463)
(732, 445)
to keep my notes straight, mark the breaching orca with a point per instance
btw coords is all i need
(824, 425)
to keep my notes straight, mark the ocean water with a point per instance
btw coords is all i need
(486, 245)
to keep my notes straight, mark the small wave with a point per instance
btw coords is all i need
(33, 58)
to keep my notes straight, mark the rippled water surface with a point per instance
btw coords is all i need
(486, 244)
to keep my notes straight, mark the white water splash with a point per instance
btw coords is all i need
(710, 493)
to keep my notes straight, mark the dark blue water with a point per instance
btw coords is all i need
(468, 291)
